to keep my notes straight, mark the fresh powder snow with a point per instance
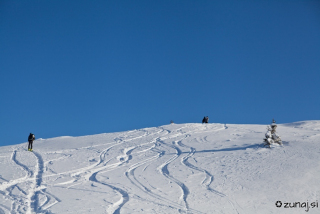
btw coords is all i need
(176, 168)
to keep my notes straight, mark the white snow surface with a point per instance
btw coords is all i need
(176, 168)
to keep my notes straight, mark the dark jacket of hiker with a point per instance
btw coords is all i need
(31, 138)
(205, 119)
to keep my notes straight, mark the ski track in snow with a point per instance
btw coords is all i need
(36, 188)
(164, 171)
(124, 196)
(3, 208)
(35, 198)
(29, 188)
(17, 205)
(131, 176)
(91, 172)
(208, 177)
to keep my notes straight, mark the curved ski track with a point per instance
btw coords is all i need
(208, 177)
(163, 169)
(35, 198)
(29, 187)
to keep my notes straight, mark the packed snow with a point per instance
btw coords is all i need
(176, 168)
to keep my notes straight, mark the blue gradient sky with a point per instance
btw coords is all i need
(85, 67)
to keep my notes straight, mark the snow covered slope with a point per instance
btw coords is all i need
(177, 168)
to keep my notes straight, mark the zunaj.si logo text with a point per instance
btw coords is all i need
(305, 205)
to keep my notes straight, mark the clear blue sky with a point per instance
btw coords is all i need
(74, 68)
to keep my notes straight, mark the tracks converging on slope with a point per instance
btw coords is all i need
(29, 187)
(157, 148)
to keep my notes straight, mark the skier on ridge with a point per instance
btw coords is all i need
(31, 138)
(205, 119)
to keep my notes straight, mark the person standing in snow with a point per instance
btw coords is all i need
(31, 138)
(205, 119)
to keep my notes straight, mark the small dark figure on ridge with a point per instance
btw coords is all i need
(31, 138)
(205, 119)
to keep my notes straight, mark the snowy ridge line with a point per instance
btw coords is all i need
(202, 128)
(117, 139)
(147, 133)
